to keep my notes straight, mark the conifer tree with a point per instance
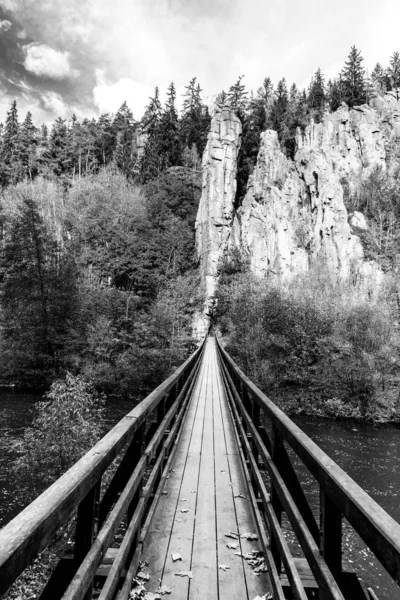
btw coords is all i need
(316, 94)
(59, 158)
(169, 139)
(195, 119)
(124, 128)
(9, 149)
(379, 78)
(237, 98)
(353, 79)
(27, 144)
(394, 72)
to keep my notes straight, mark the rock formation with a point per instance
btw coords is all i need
(293, 213)
(216, 208)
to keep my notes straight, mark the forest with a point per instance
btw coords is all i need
(98, 268)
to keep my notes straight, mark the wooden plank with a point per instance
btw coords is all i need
(204, 560)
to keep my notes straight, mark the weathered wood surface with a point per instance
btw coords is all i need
(206, 480)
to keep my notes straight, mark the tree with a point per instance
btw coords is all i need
(195, 119)
(316, 94)
(28, 141)
(67, 423)
(169, 143)
(124, 128)
(150, 163)
(394, 72)
(353, 79)
(237, 98)
(37, 294)
(379, 78)
(9, 148)
(59, 158)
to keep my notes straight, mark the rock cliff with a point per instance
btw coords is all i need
(293, 213)
(216, 209)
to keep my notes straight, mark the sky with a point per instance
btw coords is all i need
(59, 57)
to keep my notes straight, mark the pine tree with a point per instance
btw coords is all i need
(316, 94)
(124, 128)
(353, 79)
(335, 93)
(60, 160)
(150, 164)
(195, 119)
(169, 139)
(9, 168)
(237, 98)
(379, 78)
(394, 72)
(27, 145)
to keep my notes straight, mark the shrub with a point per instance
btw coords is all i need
(68, 422)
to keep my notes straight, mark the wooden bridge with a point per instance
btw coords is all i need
(184, 498)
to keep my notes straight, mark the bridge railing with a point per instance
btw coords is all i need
(144, 440)
(267, 435)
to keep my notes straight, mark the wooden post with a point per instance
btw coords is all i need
(330, 536)
(137, 444)
(276, 452)
(86, 528)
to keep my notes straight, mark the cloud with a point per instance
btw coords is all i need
(108, 97)
(5, 25)
(44, 61)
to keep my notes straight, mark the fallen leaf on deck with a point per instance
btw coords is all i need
(240, 496)
(164, 493)
(223, 471)
(179, 520)
(185, 574)
(266, 596)
(164, 589)
(184, 510)
(183, 500)
(144, 576)
(233, 535)
(249, 536)
(232, 546)
(152, 596)
(239, 554)
(176, 556)
(224, 567)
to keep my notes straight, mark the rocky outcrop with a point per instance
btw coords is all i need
(293, 214)
(216, 210)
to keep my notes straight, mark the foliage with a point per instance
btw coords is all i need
(315, 345)
(68, 422)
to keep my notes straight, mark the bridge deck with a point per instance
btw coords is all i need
(201, 504)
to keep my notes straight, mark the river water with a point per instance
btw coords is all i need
(370, 455)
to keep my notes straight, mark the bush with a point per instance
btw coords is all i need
(315, 345)
(68, 422)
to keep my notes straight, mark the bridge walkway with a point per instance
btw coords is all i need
(205, 497)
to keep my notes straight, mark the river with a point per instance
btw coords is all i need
(370, 455)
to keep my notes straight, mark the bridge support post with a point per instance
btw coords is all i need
(277, 450)
(330, 536)
(86, 528)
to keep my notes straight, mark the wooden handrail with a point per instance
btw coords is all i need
(33, 529)
(374, 525)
